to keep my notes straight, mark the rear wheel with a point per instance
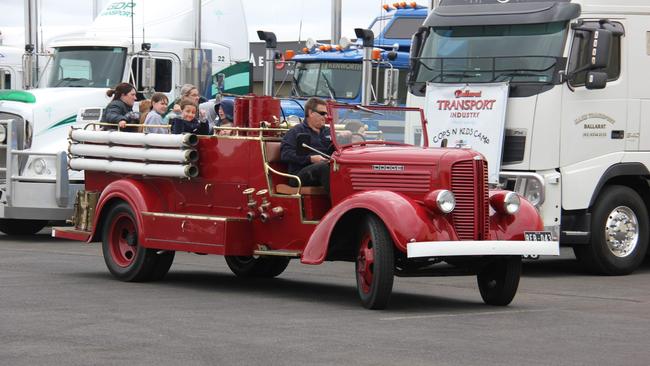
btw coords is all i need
(498, 280)
(619, 233)
(21, 227)
(124, 257)
(250, 266)
(375, 264)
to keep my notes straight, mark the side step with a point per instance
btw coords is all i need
(278, 253)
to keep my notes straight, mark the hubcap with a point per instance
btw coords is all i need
(365, 264)
(622, 231)
(123, 240)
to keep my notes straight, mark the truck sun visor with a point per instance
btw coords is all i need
(507, 13)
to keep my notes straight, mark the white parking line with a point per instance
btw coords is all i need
(466, 314)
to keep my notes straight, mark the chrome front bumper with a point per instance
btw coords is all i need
(485, 247)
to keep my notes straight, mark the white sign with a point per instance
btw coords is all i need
(469, 114)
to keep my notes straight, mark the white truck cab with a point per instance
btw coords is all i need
(156, 48)
(576, 140)
(11, 73)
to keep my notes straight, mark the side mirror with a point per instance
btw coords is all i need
(416, 47)
(391, 82)
(596, 80)
(148, 76)
(219, 81)
(601, 44)
(302, 138)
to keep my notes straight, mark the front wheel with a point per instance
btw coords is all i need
(249, 266)
(21, 227)
(375, 264)
(124, 257)
(619, 239)
(498, 280)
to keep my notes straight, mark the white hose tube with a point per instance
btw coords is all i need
(133, 138)
(135, 153)
(128, 167)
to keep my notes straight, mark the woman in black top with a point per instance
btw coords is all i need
(120, 110)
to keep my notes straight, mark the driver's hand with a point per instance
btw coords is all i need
(122, 124)
(317, 159)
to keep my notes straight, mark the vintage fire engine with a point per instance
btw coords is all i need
(396, 207)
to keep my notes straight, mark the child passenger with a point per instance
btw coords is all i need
(188, 123)
(154, 117)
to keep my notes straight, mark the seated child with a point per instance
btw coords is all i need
(188, 123)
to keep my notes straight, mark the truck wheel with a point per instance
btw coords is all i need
(375, 264)
(249, 266)
(499, 280)
(619, 233)
(21, 227)
(163, 263)
(125, 259)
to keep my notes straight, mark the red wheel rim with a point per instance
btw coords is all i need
(122, 240)
(365, 264)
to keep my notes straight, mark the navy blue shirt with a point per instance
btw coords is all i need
(321, 141)
(180, 125)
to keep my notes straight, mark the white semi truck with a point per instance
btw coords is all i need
(156, 46)
(576, 135)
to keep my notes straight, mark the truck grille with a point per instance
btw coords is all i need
(469, 184)
(14, 137)
(401, 181)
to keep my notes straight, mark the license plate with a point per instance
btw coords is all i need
(538, 236)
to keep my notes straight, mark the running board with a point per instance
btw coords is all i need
(278, 253)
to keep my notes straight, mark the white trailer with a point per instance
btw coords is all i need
(156, 46)
(577, 120)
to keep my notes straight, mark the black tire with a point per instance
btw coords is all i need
(618, 212)
(163, 263)
(375, 264)
(124, 257)
(499, 279)
(21, 227)
(264, 267)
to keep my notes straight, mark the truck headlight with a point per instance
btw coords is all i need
(532, 189)
(440, 200)
(505, 202)
(3, 134)
(39, 166)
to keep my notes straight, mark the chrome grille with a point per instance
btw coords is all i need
(469, 185)
(401, 181)
(14, 137)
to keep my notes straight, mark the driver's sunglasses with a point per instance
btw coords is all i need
(321, 113)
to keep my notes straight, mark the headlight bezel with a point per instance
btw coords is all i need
(506, 202)
(441, 201)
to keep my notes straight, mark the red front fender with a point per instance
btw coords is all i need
(405, 219)
(512, 227)
(138, 194)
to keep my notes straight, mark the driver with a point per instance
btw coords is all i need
(312, 169)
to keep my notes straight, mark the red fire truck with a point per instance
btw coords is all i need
(396, 207)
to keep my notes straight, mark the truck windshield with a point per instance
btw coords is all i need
(90, 67)
(328, 79)
(524, 53)
(356, 125)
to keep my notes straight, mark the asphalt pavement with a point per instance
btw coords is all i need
(60, 306)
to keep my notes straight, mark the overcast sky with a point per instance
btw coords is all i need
(280, 16)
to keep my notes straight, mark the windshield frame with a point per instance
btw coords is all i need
(299, 93)
(331, 106)
(116, 67)
(550, 73)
